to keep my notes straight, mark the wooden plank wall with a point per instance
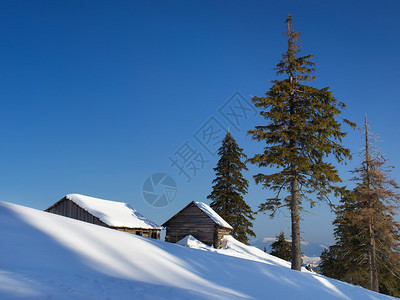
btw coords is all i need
(192, 221)
(220, 234)
(67, 208)
(151, 233)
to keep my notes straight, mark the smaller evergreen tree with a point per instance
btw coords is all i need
(229, 188)
(281, 247)
(347, 259)
(367, 245)
(378, 199)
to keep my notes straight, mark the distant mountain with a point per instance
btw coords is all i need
(311, 251)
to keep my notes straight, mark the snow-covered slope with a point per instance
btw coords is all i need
(232, 247)
(46, 256)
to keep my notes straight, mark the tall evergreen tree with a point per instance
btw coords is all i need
(281, 247)
(302, 130)
(229, 188)
(366, 251)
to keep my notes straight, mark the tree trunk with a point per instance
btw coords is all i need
(374, 284)
(295, 216)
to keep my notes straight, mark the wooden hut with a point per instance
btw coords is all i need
(199, 220)
(111, 214)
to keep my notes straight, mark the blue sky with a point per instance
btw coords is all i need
(98, 95)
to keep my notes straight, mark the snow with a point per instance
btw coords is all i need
(232, 247)
(47, 256)
(191, 242)
(213, 215)
(115, 214)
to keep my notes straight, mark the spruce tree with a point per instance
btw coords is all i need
(229, 188)
(281, 247)
(366, 251)
(301, 130)
(375, 193)
(346, 260)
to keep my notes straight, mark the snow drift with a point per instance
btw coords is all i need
(232, 247)
(46, 256)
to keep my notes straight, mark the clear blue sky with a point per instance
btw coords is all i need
(98, 95)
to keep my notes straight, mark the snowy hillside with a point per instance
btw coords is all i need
(46, 256)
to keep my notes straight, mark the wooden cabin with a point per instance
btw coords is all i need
(111, 214)
(199, 220)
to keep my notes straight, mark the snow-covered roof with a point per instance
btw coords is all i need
(213, 215)
(114, 214)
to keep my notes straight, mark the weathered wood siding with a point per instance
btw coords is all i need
(192, 220)
(220, 234)
(152, 233)
(67, 208)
